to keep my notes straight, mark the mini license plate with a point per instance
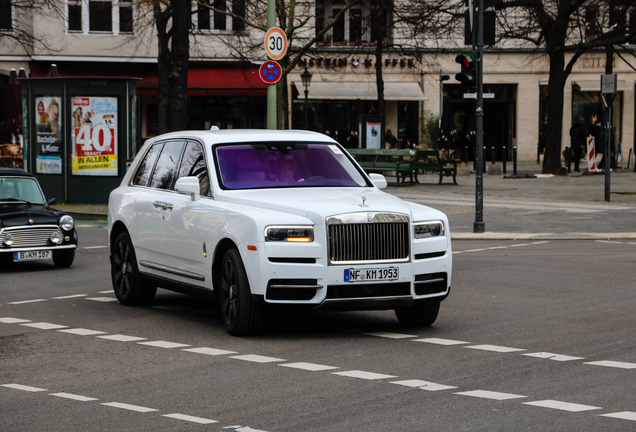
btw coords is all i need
(371, 274)
(32, 255)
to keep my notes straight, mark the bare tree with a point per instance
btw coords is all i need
(553, 27)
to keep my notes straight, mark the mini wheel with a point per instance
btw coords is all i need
(63, 258)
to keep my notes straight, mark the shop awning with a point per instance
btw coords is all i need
(402, 91)
(595, 86)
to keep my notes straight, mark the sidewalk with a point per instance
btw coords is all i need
(570, 207)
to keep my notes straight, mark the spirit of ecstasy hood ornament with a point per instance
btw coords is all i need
(364, 200)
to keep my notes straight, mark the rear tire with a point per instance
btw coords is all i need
(240, 315)
(63, 258)
(131, 289)
(423, 313)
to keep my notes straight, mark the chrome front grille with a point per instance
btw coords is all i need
(32, 236)
(368, 237)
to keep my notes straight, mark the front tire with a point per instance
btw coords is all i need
(131, 289)
(63, 258)
(240, 315)
(423, 313)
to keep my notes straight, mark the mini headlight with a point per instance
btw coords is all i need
(57, 237)
(298, 234)
(428, 229)
(8, 240)
(66, 223)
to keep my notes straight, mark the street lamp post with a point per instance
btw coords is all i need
(306, 80)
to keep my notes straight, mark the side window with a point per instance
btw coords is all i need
(193, 164)
(145, 167)
(165, 172)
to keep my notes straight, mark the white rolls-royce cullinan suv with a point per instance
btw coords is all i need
(270, 220)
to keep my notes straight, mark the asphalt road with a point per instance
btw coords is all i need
(535, 336)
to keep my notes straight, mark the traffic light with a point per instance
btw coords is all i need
(468, 75)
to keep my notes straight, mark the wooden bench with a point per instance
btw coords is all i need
(385, 160)
(430, 160)
(404, 163)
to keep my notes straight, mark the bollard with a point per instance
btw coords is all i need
(538, 153)
(503, 159)
(514, 161)
(629, 158)
(492, 155)
(484, 158)
(568, 159)
(466, 155)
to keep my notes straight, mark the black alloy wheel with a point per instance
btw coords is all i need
(240, 315)
(131, 289)
(423, 313)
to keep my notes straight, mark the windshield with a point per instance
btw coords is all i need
(14, 189)
(270, 165)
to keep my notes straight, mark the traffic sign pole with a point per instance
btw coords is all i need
(271, 88)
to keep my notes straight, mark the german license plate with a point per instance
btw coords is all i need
(371, 274)
(32, 255)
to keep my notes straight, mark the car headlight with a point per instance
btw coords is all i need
(57, 237)
(8, 240)
(428, 229)
(66, 223)
(300, 234)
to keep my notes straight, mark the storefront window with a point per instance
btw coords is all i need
(589, 106)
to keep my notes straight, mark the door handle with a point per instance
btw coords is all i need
(162, 205)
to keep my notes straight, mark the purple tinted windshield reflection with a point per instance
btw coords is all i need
(270, 165)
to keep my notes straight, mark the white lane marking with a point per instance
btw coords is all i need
(45, 326)
(624, 415)
(102, 299)
(245, 429)
(9, 320)
(390, 335)
(121, 338)
(308, 366)
(541, 242)
(173, 307)
(564, 406)
(439, 341)
(423, 385)
(474, 250)
(497, 247)
(607, 241)
(110, 291)
(94, 247)
(522, 244)
(552, 356)
(209, 351)
(257, 358)
(457, 252)
(192, 419)
(74, 397)
(363, 375)
(490, 395)
(82, 332)
(23, 387)
(129, 407)
(69, 296)
(614, 364)
(164, 344)
(495, 348)
(26, 301)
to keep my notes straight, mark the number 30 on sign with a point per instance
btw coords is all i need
(276, 43)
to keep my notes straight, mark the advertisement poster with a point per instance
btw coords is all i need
(94, 136)
(49, 164)
(374, 140)
(48, 131)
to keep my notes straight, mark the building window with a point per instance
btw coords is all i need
(100, 17)
(355, 26)
(208, 20)
(6, 18)
(103, 16)
(349, 27)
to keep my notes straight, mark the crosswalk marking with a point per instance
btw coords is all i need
(74, 397)
(363, 375)
(313, 367)
(163, 344)
(82, 331)
(23, 387)
(564, 406)
(490, 395)
(122, 338)
(390, 335)
(257, 358)
(44, 326)
(614, 364)
(624, 415)
(129, 407)
(424, 385)
(552, 356)
(494, 348)
(192, 419)
(439, 341)
(209, 351)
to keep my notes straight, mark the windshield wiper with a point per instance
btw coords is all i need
(14, 200)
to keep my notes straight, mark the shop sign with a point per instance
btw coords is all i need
(94, 136)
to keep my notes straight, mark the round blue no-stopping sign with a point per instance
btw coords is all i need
(270, 72)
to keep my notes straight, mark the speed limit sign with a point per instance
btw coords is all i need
(276, 43)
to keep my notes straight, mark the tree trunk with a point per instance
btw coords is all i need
(179, 56)
(554, 128)
(163, 69)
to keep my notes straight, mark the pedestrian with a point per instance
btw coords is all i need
(390, 139)
(577, 141)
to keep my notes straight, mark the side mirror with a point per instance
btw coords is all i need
(50, 201)
(378, 180)
(189, 186)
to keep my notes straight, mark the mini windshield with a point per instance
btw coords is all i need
(13, 189)
(270, 165)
